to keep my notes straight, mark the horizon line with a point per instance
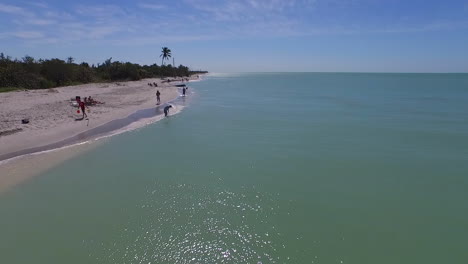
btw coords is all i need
(376, 72)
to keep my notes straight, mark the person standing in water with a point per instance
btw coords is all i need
(158, 98)
(166, 110)
(183, 91)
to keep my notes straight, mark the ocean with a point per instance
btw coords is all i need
(264, 168)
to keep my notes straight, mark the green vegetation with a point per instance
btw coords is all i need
(29, 73)
(8, 89)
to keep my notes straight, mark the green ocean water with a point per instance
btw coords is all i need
(264, 168)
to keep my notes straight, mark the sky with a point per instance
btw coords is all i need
(245, 35)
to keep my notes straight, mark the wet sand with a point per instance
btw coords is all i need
(54, 135)
(53, 118)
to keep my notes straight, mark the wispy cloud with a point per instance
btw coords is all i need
(39, 4)
(103, 31)
(151, 6)
(428, 27)
(38, 21)
(14, 10)
(57, 15)
(202, 20)
(253, 17)
(250, 9)
(28, 34)
(10, 9)
(100, 11)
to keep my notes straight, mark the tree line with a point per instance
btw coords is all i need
(29, 73)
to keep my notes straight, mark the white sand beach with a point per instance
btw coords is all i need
(52, 117)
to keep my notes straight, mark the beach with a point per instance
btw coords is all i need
(53, 118)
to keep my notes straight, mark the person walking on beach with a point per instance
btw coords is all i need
(166, 110)
(183, 91)
(158, 98)
(81, 105)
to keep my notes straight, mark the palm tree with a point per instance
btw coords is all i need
(165, 54)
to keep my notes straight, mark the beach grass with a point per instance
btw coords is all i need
(9, 89)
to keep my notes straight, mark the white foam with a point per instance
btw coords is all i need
(200, 78)
(2, 162)
(142, 123)
(131, 127)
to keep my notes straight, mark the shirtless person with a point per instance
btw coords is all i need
(158, 99)
(166, 110)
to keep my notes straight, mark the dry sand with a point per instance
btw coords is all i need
(53, 118)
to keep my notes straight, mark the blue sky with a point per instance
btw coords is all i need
(245, 35)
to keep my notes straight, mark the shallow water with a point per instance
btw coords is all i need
(270, 168)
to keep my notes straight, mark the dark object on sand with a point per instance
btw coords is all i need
(91, 101)
(25, 121)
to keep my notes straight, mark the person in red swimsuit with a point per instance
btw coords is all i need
(81, 105)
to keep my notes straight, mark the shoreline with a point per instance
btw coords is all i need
(18, 170)
(22, 164)
(125, 103)
(104, 130)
